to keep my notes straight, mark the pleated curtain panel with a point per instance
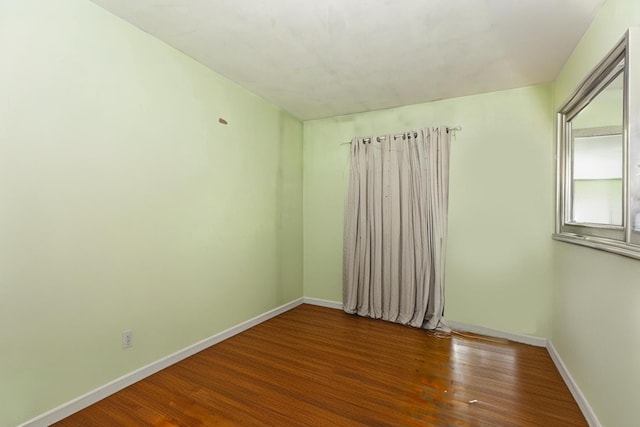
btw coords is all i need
(395, 229)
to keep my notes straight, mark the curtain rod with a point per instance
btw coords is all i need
(452, 129)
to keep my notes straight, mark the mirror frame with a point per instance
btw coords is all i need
(623, 240)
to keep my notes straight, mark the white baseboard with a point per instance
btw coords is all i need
(496, 333)
(118, 384)
(323, 303)
(582, 402)
(586, 409)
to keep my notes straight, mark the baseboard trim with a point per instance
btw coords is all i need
(322, 303)
(582, 402)
(496, 333)
(118, 384)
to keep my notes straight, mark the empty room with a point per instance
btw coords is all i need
(338, 212)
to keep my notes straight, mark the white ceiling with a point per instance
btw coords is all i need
(321, 58)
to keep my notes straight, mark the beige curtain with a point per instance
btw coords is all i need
(395, 229)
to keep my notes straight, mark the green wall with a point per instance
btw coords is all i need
(501, 203)
(125, 204)
(596, 312)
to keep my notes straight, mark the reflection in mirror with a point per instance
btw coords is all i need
(597, 156)
(597, 179)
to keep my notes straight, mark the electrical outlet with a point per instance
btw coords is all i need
(127, 338)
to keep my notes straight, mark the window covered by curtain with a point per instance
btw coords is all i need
(396, 227)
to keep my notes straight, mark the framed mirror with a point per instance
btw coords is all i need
(598, 152)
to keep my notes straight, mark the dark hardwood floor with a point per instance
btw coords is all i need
(315, 366)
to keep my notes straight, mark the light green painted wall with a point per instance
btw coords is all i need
(613, 19)
(596, 325)
(501, 203)
(596, 321)
(125, 204)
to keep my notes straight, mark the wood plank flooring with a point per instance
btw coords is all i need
(315, 366)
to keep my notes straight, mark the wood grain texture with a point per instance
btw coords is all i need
(315, 366)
